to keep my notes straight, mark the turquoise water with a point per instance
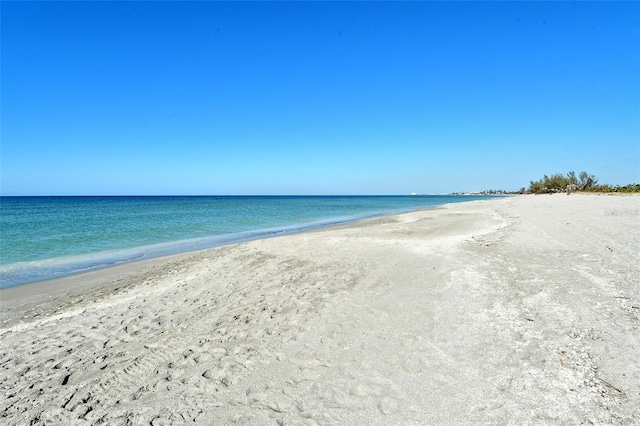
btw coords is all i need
(48, 237)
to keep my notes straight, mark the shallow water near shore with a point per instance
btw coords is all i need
(50, 237)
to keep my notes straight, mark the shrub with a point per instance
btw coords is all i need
(583, 182)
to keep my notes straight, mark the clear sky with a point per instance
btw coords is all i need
(315, 98)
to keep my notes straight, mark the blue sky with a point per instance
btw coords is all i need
(315, 98)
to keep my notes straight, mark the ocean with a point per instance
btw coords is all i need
(49, 237)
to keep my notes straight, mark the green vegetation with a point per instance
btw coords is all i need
(634, 187)
(570, 183)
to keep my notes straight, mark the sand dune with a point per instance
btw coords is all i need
(522, 310)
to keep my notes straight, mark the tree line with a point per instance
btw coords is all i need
(571, 182)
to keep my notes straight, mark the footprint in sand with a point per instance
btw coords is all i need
(387, 405)
(413, 364)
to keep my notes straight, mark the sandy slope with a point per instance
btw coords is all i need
(513, 311)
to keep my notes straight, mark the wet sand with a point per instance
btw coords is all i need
(518, 310)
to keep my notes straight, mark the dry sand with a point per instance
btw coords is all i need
(523, 310)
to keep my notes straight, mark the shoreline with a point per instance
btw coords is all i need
(27, 272)
(34, 299)
(520, 309)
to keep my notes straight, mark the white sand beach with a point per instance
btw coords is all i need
(520, 310)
